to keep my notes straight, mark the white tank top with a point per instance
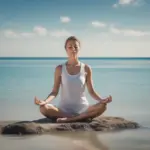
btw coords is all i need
(73, 99)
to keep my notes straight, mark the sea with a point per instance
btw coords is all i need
(126, 79)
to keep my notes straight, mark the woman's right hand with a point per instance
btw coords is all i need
(107, 100)
(39, 102)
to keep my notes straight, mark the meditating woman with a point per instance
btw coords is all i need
(72, 76)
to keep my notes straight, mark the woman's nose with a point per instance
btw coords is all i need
(73, 48)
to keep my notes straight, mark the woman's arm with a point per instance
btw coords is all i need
(91, 90)
(56, 86)
(89, 83)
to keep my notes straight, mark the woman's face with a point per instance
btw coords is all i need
(72, 48)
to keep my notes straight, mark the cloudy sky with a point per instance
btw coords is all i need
(106, 28)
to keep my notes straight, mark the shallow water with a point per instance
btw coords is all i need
(136, 139)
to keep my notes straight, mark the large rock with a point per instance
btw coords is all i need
(46, 125)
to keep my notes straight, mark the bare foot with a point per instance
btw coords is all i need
(62, 120)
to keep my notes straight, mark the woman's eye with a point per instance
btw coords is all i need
(70, 47)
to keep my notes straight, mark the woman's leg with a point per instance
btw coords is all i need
(92, 111)
(50, 110)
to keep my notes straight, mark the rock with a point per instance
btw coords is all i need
(46, 125)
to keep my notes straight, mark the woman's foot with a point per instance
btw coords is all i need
(62, 120)
(73, 119)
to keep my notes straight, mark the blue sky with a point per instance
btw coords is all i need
(106, 28)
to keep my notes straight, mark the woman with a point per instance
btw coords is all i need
(72, 76)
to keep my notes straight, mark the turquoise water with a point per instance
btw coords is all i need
(127, 80)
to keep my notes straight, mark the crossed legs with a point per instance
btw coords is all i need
(52, 111)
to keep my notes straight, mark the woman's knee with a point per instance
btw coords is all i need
(43, 109)
(101, 109)
(104, 107)
(101, 106)
(46, 109)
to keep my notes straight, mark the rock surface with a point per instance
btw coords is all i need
(46, 125)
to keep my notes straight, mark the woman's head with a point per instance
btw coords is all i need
(72, 46)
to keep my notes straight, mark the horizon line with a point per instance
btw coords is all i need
(12, 57)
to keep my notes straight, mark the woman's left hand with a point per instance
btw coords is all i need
(107, 100)
(39, 102)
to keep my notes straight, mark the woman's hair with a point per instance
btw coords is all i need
(70, 39)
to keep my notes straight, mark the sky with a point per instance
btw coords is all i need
(105, 28)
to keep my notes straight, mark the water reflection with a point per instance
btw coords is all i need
(55, 140)
(83, 140)
(137, 139)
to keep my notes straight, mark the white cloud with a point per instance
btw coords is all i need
(115, 30)
(129, 32)
(107, 44)
(37, 31)
(98, 24)
(13, 34)
(40, 30)
(10, 34)
(27, 35)
(98, 45)
(60, 33)
(65, 19)
(128, 2)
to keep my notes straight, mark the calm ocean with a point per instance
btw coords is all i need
(127, 80)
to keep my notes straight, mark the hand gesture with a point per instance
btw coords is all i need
(39, 102)
(107, 100)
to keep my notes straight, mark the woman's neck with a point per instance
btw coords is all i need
(73, 61)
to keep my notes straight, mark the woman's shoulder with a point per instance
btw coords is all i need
(87, 67)
(59, 67)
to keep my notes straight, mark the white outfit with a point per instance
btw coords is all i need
(73, 99)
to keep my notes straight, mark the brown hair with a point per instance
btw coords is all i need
(70, 39)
